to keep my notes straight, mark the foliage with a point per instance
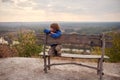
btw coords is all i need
(28, 46)
(114, 51)
(96, 50)
(7, 51)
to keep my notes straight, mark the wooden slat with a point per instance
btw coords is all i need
(68, 55)
(82, 56)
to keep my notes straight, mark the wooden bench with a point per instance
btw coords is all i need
(76, 40)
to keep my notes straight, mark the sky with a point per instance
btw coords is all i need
(59, 10)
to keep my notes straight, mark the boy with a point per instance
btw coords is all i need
(55, 33)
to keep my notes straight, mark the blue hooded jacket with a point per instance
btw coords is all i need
(57, 34)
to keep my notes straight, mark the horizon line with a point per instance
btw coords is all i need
(57, 21)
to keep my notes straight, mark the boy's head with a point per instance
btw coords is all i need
(54, 27)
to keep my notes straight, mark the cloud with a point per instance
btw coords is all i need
(77, 9)
(7, 1)
(95, 7)
(69, 6)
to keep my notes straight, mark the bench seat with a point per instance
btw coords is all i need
(68, 55)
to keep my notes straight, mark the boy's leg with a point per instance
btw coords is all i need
(55, 50)
(51, 51)
(58, 49)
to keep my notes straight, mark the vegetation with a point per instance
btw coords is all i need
(28, 46)
(7, 51)
(114, 51)
(96, 30)
(96, 50)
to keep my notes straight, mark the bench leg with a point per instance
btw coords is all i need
(101, 70)
(45, 64)
(98, 67)
(48, 62)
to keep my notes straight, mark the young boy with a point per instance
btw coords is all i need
(55, 33)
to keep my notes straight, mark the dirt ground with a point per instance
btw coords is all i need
(32, 69)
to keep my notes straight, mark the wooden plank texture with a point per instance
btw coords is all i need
(68, 55)
(76, 39)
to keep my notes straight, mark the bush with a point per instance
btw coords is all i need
(7, 51)
(114, 51)
(28, 46)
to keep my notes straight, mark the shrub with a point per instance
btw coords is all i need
(28, 46)
(7, 51)
(114, 51)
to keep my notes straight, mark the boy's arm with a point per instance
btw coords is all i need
(56, 35)
(46, 31)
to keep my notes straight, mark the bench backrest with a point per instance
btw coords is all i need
(77, 40)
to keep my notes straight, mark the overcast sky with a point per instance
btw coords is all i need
(59, 10)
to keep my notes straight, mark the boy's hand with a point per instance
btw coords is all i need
(52, 32)
(46, 31)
